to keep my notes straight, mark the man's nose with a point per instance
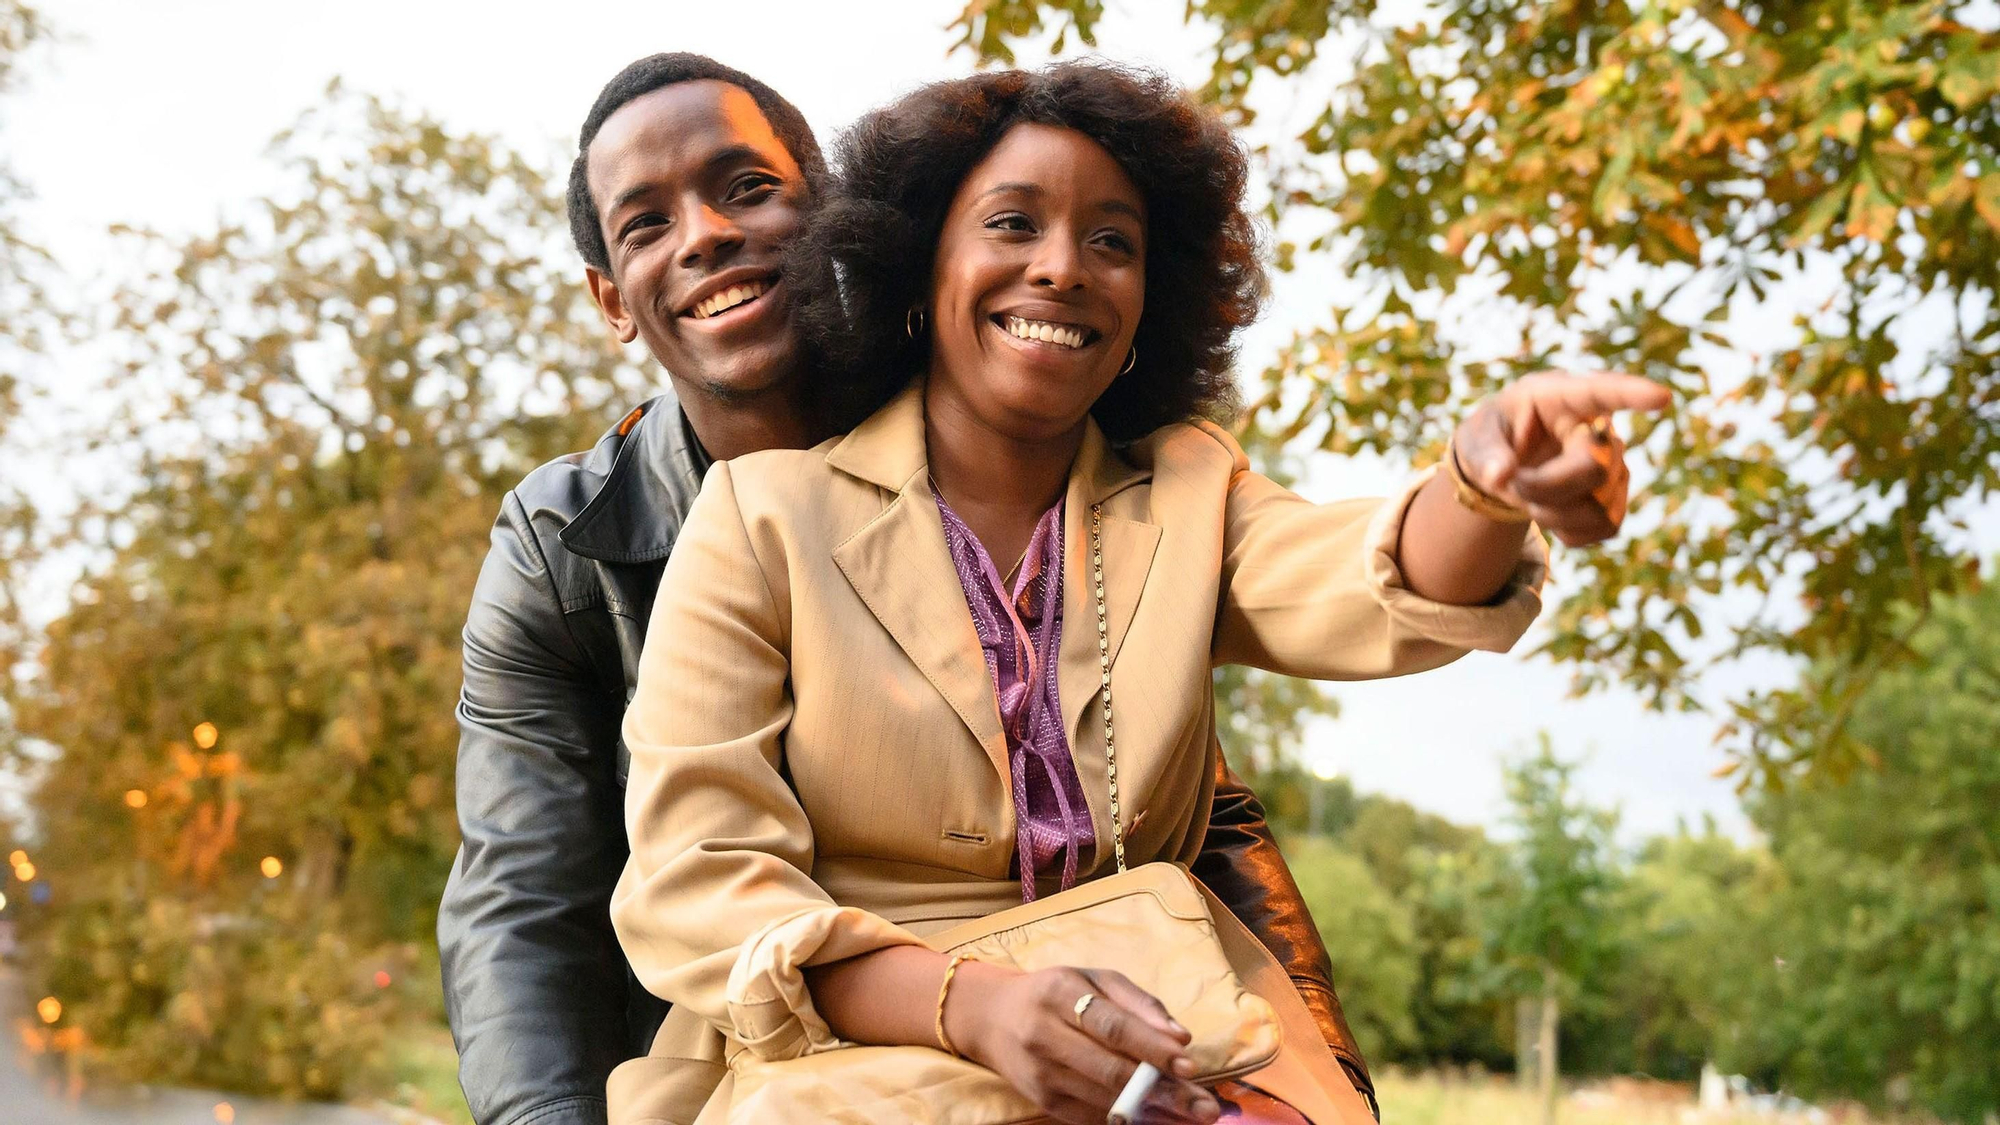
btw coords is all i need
(710, 234)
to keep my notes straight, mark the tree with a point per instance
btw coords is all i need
(24, 320)
(1550, 933)
(1877, 963)
(21, 294)
(1687, 921)
(1608, 182)
(1370, 938)
(241, 729)
(1463, 1009)
(1447, 876)
(1399, 897)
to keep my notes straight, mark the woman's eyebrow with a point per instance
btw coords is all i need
(1014, 186)
(1018, 187)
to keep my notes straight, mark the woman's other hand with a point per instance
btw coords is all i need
(1543, 444)
(1027, 1028)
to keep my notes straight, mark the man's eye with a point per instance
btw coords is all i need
(1119, 242)
(642, 222)
(760, 185)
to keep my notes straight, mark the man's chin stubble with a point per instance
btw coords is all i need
(742, 392)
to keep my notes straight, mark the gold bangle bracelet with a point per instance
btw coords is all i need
(1474, 498)
(944, 989)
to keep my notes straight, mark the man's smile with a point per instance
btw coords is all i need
(726, 292)
(727, 299)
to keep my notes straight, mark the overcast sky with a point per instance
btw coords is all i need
(158, 114)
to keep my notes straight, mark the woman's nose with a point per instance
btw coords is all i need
(1059, 266)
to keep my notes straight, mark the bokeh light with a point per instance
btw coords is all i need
(225, 1113)
(135, 798)
(382, 978)
(205, 736)
(272, 867)
(49, 1008)
(24, 871)
(16, 858)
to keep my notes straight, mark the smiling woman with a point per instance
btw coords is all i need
(1166, 180)
(1038, 289)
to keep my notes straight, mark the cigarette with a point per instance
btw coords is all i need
(1125, 1110)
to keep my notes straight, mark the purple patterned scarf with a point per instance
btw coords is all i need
(1020, 631)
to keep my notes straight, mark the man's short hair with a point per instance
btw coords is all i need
(652, 73)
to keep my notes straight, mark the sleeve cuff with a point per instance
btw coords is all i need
(770, 1008)
(1493, 627)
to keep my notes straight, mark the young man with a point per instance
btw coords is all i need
(690, 180)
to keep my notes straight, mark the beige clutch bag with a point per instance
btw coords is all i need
(1150, 923)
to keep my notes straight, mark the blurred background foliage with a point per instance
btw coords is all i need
(239, 730)
(237, 723)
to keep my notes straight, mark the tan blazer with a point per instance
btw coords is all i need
(818, 767)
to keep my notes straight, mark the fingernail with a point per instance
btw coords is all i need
(1183, 1067)
(1174, 1025)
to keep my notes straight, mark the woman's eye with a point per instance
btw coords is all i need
(1118, 242)
(1009, 222)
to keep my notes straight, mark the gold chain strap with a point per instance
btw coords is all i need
(1104, 659)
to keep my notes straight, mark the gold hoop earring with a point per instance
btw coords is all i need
(1130, 360)
(913, 321)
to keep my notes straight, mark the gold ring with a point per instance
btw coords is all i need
(1599, 429)
(1083, 1004)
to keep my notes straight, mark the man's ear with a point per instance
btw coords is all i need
(611, 304)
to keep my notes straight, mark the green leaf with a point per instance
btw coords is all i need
(1829, 206)
(1987, 199)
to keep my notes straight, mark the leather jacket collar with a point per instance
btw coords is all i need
(653, 457)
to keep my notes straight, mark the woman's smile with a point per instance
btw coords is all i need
(1047, 335)
(1068, 337)
(1039, 282)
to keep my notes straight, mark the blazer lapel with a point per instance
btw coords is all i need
(1128, 546)
(900, 567)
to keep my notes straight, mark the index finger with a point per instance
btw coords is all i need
(1585, 397)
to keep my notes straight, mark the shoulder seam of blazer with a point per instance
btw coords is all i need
(727, 480)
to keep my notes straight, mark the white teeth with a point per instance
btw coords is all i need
(728, 299)
(1046, 332)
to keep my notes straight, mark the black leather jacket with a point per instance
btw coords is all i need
(541, 1002)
